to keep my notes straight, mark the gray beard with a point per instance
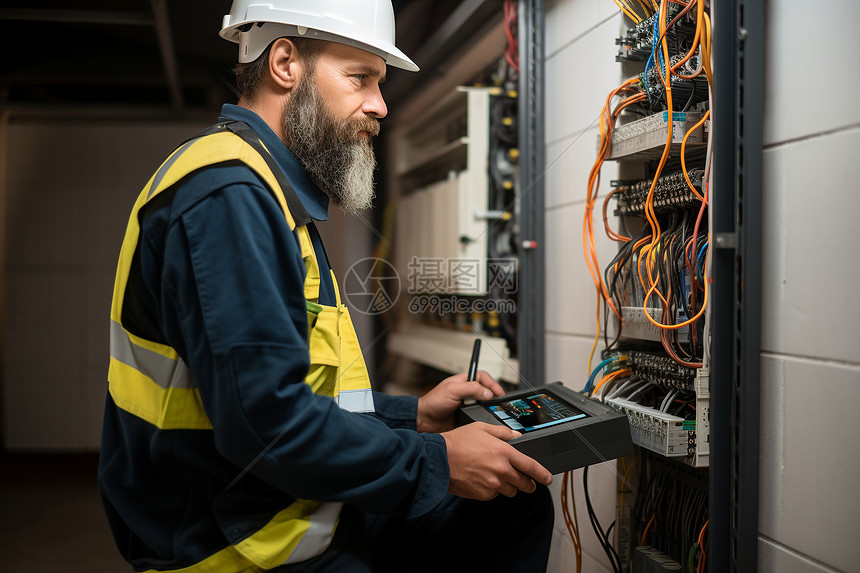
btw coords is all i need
(335, 158)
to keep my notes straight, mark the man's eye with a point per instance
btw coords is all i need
(360, 77)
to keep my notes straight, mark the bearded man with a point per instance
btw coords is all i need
(241, 432)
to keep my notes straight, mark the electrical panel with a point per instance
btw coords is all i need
(455, 232)
(445, 221)
(654, 293)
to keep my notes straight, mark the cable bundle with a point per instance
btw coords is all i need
(663, 259)
(661, 268)
(672, 511)
(512, 54)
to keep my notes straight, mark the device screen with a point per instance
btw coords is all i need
(534, 412)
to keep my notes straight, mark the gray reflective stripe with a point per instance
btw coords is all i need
(356, 400)
(166, 372)
(318, 536)
(162, 171)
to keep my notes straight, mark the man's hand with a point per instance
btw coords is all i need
(483, 465)
(436, 408)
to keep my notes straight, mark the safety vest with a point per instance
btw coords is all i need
(150, 380)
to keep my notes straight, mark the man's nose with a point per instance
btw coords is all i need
(374, 104)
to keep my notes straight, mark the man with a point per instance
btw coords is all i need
(240, 430)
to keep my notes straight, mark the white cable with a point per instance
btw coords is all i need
(629, 382)
(667, 401)
(638, 390)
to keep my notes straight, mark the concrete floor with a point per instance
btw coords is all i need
(51, 518)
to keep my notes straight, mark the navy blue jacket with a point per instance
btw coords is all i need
(218, 276)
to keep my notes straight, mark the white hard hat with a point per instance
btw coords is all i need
(365, 24)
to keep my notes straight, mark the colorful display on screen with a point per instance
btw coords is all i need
(535, 412)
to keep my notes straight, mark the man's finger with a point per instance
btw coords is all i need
(522, 482)
(473, 390)
(531, 468)
(508, 490)
(488, 382)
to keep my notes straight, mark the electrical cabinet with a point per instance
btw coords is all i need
(455, 231)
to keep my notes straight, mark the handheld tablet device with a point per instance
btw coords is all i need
(560, 428)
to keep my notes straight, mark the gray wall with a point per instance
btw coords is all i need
(69, 192)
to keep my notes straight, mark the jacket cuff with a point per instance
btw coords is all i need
(433, 486)
(397, 412)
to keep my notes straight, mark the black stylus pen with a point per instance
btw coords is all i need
(473, 368)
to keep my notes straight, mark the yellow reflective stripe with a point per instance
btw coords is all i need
(228, 559)
(273, 544)
(165, 368)
(218, 148)
(165, 167)
(165, 408)
(307, 526)
(319, 534)
(162, 349)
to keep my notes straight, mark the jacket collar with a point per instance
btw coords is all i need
(314, 200)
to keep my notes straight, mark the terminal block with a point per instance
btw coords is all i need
(645, 138)
(635, 44)
(671, 192)
(636, 325)
(665, 434)
(661, 369)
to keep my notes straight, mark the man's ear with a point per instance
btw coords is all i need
(285, 68)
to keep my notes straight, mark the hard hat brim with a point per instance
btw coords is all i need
(259, 39)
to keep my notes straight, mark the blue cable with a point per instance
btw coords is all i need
(588, 385)
(645, 75)
(653, 50)
(647, 66)
(700, 259)
(654, 42)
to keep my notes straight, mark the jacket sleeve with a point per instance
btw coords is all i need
(232, 305)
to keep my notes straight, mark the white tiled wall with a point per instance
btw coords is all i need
(69, 189)
(810, 383)
(810, 279)
(809, 497)
(796, 77)
(580, 72)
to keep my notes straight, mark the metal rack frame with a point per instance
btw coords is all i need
(531, 353)
(736, 343)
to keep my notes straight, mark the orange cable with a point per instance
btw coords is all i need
(683, 153)
(613, 236)
(647, 527)
(611, 376)
(702, 547)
